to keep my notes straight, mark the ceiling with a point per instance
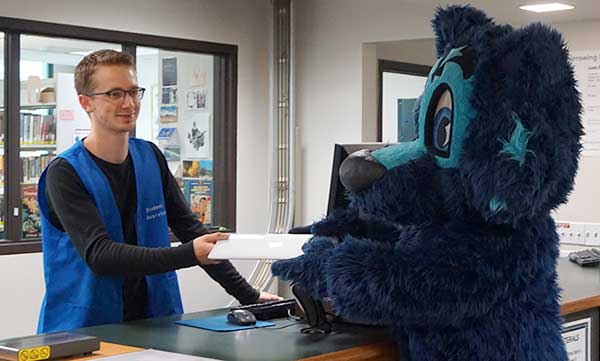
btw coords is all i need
(415, 17)
(503, 11)
(507, 11)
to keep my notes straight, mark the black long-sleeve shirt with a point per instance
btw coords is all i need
(73, 210)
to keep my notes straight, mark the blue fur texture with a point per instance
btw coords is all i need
(460, 261)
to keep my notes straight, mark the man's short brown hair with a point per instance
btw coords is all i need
(84, 81)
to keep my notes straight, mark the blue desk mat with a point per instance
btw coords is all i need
(220, 324)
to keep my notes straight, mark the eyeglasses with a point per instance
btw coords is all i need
(136, 93)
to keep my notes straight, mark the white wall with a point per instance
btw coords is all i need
(331, 38)
(336, 92)
(240, 22)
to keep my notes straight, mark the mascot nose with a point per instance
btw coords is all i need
(359, 170)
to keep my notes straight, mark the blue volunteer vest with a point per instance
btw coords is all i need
(75, 296)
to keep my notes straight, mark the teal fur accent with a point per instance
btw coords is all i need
(497, 205)
(463, 111)
(456, 52)
(516, 146)
(397, 154)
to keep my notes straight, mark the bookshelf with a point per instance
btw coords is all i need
(37, 140)
(37, 143)
(38, 106)
(27, 107)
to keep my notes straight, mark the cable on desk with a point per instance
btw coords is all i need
(293, 317)
(294, 322)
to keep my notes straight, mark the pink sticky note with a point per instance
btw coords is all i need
(66, 114)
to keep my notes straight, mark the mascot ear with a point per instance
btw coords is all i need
(456, 26)
(527, 124)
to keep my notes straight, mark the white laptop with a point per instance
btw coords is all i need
(259, 246)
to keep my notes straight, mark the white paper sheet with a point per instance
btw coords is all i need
(587, 72)
(155, 355)
(260, 246)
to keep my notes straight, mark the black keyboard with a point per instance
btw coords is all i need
(586, 258)
(270, 310)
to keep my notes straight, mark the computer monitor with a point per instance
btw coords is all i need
(337, 192)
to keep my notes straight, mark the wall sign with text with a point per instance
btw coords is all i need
(576, 335)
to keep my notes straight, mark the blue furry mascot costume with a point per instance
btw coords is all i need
(448, 239)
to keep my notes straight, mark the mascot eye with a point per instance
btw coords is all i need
(442, 129)
(443, 124)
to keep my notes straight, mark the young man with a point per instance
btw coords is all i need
(106, 205)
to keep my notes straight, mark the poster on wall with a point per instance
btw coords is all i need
(206, 168)
(168, 113)
(169, 95)
(172, 153)
(407, 128)
(169, 71)
(194, 168)
(587, 72)
(198, 77)
(191, 168)
(165, 133)
(196, 137)
(198, 195)
(576, 336)
(79, 134)
(196, 98)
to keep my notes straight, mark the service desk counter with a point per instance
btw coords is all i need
(580, 302)
(282, 342)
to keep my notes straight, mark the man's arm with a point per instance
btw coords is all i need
(186, 226)
(73, 210)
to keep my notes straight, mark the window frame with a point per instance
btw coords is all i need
(224, 114)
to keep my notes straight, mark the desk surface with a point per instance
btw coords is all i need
(581, 291)
(580, 286)
(259, 344)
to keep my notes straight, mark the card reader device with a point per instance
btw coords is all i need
(47, 346)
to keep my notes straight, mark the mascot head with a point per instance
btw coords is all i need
(499, 130)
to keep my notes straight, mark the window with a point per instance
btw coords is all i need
(177, 115)
(189, 112)
(2, 128)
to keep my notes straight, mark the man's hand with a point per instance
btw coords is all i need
(204, 244)
(266, 297)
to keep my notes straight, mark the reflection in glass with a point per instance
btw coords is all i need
(50, 116)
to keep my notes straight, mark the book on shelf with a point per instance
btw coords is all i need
(33, 166)
(38, 129)
(30, 224)
(2, 173)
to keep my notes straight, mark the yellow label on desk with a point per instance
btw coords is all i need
(35, 353)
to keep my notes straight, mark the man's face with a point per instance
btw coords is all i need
(117, 116)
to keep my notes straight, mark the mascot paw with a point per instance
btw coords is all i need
(307, 270)
(340, 222)
(288, 269)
